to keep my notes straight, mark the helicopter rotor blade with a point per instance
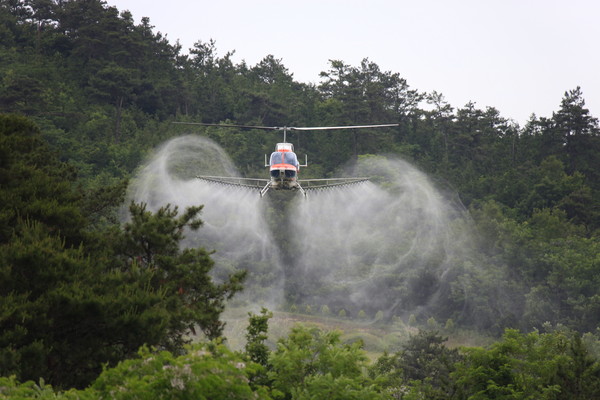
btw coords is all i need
(322, 128)
(289, 128)
(229, 125)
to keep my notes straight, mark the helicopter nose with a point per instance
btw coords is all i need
(277, 173)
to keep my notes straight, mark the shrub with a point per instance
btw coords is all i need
(207, 370)
(412, 320)
(432, 323)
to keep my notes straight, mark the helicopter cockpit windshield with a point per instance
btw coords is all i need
(284, 157)
(284, 154)
(284, 162)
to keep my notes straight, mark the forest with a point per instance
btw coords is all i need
(93, 307)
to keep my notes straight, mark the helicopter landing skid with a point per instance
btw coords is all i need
(264, 190)
(301, 189)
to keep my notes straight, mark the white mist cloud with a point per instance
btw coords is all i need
(385, 246)
(234, 225)
(369, 247)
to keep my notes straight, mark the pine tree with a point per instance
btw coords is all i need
(68, 306)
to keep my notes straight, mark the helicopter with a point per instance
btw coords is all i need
(283, 164)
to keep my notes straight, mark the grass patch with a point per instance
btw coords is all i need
(377, 337)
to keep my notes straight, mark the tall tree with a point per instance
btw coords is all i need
(69, 304)
(152, 242)
(580, 133)
(442, 117)
(35, 184)
(114, 84)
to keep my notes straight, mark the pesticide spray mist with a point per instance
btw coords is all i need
(390, 245)
(234, 224)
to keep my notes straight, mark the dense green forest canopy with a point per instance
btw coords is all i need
(86, 94)
(104, 91)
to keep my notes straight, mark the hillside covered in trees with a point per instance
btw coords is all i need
(86, 94)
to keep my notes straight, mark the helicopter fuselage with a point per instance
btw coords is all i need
(283, 164)
(283, 167)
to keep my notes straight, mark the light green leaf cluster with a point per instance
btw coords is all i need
(311, 363)
(206, 371)
(553, 365)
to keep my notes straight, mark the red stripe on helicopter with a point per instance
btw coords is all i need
(282, 166)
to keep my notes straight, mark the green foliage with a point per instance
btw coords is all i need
(150, 242)
(412, 320)
(310, 363)
(432, 323)
(34, 183)
(256, 335)
(206, 371)
(542, 366)
(72, 298)
(570, 291)
(424, 364)
(103, 91)
(10, 388)
(64, 314)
